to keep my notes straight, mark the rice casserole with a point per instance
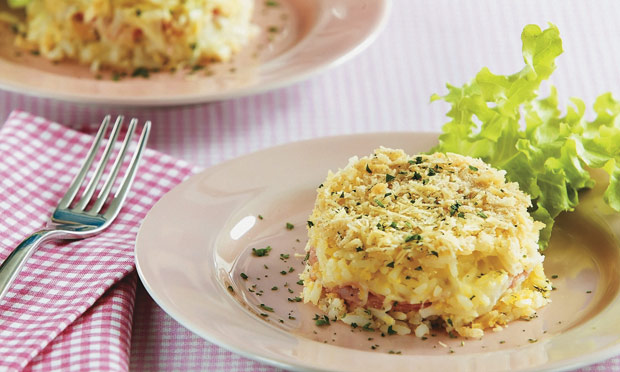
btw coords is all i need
(125, 35)
(404, 244)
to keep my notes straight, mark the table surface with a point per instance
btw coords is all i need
(385, 88)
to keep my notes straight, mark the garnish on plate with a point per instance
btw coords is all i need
(503, 120)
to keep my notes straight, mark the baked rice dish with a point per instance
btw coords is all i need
(404, 244)
(125, 35)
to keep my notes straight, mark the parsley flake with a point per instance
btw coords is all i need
(416, 237)
(261, 252)
(321, 320)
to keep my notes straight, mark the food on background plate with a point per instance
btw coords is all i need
(406, 243)
(136, 35)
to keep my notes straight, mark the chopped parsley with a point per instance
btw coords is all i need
(359, 249)
(417, 176)
(391, 264)
(379, 203)
(271, 3)
(471, 167)
(454, 208)
(321, 320)
(389, 177)
(300, 282)
(289, 226)
(266, 308)
(434, 253)
(141, 71)
(284, 256)
(261, 252)
(368, 169)
(419, 268)
(368, 328)
(481, 214)
(294, 299)
(260, 217)
(390, 331)
(431, 172)
(418, 160)
(310, 223)
(243, 276)
(416, 237)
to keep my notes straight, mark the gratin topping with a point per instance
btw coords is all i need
(443, 234)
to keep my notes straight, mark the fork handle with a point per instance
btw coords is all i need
(16, 260)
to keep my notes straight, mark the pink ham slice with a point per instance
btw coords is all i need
(350, 295)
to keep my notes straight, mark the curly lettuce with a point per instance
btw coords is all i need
(17, 3)
(502, 120)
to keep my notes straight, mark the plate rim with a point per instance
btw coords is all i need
(192, 99)
(565, 364)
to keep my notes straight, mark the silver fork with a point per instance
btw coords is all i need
(78, 222)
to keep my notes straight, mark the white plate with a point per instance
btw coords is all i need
(197, 241)
(312, 36)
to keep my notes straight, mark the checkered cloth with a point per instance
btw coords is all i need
(71, 306)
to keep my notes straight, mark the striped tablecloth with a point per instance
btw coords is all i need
(386, 88)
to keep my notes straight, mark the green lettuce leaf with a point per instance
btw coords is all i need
(502, 120)
(18, 3)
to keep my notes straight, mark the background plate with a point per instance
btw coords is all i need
(312, 36)
(197, 240)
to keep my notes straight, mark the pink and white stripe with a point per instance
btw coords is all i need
(45, 318)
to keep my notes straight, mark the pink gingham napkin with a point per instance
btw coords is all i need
(71, 307)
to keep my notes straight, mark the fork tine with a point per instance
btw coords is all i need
(92, 184)
(122, 192)
(79, 178)
(107, 187)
